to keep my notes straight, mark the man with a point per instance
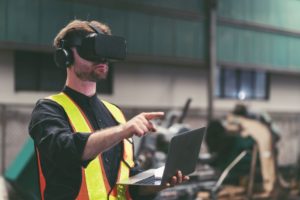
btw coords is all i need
(84, 144)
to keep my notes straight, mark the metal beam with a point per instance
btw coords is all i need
(258, 27)
(3, 138)
(212, 57)
(166, 60)
(11, 45)
(268, 68)
(144, 8)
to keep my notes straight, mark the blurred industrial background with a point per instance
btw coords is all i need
(218, 53)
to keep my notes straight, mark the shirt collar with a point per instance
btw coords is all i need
(77, 96)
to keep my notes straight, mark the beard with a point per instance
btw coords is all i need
(92, 75)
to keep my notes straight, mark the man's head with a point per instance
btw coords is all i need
(76, 34)
(240, 109)
(86, 47)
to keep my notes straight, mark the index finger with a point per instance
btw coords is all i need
(153, 115)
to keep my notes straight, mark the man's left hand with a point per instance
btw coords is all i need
(177, 179)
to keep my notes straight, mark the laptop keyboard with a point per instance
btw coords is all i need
(149, 180)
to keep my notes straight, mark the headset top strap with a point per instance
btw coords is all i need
(96, 29)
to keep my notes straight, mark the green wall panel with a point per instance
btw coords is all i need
(139, 29)
(246, 46)
(54, 15)
(116, 19)
(23, 20)
(280, 13)
(279, 51)
(163, 36)
(293, 55)
(190, 39)
(225, 45)
(38, 22)
(86, 12)
(3, 19)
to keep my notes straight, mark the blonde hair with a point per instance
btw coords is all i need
(78, 26)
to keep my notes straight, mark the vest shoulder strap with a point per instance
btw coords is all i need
(115, 111)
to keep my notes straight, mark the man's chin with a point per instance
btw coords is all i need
(99, 78)
(92, 77)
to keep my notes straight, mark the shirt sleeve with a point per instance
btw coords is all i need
(53, 135)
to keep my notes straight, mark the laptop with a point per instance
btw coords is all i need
(182, 155)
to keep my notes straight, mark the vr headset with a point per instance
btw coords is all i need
(95, 47)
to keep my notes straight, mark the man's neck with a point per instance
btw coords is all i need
(87, 88)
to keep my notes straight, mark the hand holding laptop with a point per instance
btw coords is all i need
(174, 180)
(182, 158)
(177, 179)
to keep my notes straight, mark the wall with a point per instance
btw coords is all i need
(134, 86)
(161, 86)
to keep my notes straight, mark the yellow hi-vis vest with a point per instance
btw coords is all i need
(95, 185)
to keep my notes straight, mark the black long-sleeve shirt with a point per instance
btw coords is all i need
(61, 150)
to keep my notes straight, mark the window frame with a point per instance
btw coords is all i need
(33, 65)
(221, 84)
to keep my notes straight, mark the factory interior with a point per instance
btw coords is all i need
(226, 69)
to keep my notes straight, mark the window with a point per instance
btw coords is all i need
(35, 71)
(242, 84)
